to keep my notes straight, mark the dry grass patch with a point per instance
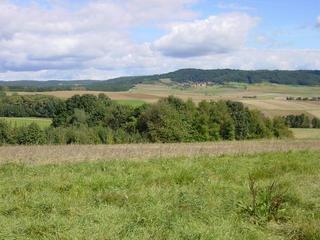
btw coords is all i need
(137, 152)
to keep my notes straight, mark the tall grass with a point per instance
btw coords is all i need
(169, 198)
(138, 152)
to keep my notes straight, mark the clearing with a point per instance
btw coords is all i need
(18, 122)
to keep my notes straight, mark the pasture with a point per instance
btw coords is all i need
(18, 122)
(200, 197)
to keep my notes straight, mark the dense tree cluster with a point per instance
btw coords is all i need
(302, 121)
(29, 106)
(90, 119)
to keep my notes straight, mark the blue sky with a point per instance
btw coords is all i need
(101, 39)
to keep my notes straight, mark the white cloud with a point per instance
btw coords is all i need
(94, 40)
(151, 63)
(216, 34)
(33, 38)
(318, 22)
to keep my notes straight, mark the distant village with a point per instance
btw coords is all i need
(196, 84)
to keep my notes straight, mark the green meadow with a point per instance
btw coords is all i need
(261, 196)
(133, 103)
(15, 121)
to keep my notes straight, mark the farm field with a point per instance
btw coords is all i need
(306, 133)
(269, 98)
(200, 197)
(18, 122)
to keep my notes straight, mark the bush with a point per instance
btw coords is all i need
(30, 135)
(280, 129)
(5, 133)
(81, 135)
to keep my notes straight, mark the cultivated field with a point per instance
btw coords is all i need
(205, 197)
(269, 98)
(18, 122)
(306, 133)
(137, 152)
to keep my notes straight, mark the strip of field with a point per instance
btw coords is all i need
(113, 95)
(80, 153)
(133, 103)
(306, 133)
(19, 122)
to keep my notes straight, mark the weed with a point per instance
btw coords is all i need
(266, 204)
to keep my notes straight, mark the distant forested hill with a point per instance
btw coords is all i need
(219, 76)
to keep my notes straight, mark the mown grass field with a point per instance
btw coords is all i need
(306, 133)
(168, 198)
(42, 122)
(133, 103)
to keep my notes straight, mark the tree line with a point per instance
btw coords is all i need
(29, 106)
(314, 99)
(302, 121)
(90, 119)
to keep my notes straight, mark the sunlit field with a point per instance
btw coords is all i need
(133, 103)
(269, 98)
(18, 122)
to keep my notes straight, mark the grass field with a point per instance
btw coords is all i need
(42, 122)
(133, 103)
(306, 133)
(169, 198)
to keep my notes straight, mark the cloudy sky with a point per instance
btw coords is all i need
(101, 39)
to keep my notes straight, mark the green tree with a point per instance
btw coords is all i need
(280, 129)
(315, 122)
(5, 133)
(30, 135)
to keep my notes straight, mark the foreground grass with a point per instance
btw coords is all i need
(181, 198)
(18, 122)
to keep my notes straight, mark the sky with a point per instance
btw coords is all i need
(102, 39)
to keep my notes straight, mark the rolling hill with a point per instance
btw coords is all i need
(218, 76)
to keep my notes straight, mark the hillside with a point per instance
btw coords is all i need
(218, 76)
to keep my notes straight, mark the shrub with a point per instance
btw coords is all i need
(280, 129)
(5, 133)
(30, 135)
